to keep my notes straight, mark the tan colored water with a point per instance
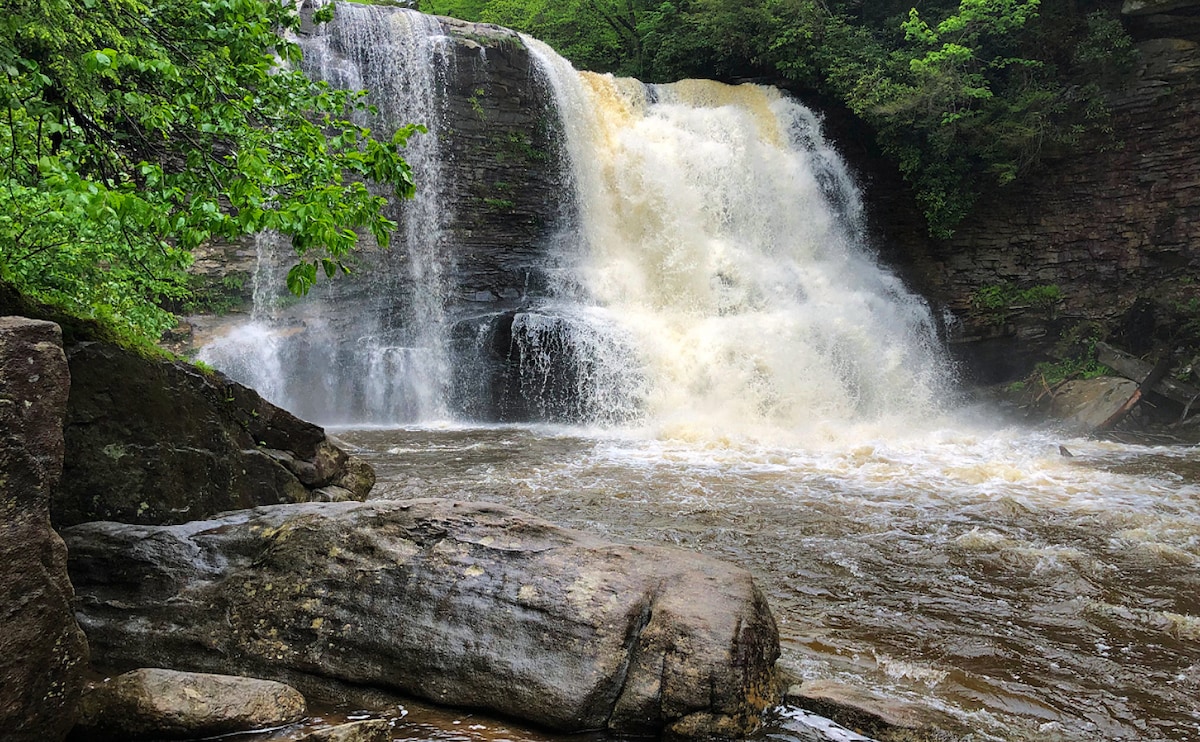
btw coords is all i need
(978, 574)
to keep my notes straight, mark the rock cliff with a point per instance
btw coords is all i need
(502, 180)
(42, 651)
(1115, 225)
(160, 441)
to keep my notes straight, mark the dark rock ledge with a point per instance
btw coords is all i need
(157, 441)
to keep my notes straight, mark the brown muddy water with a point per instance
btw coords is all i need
(977, 576)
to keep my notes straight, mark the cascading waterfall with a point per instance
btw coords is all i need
(710, 275)
(720, 231)
(387, 360)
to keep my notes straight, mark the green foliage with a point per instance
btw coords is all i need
(1056, 372)
(994, 303)
(132, 131)
(1076, 351)
(476, 106)
(1007, 296)
(208, 296)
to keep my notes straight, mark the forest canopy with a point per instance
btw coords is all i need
(963, 95)
(132, 131)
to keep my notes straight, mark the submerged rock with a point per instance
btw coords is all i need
(42, 651)
(463, 604)
(865, 712)
(153, 703)
(375, 730)
(159, 441)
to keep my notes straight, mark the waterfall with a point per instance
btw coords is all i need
(721, 232)
(707, 270)
(373, 347)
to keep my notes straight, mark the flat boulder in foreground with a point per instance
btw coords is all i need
(463, 604)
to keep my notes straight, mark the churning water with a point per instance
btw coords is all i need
(972, 578)
(744, 379)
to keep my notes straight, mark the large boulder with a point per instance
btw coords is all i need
(1086, 404)
(463, 604)
(153, 441)
(42, 651)
(152, 703)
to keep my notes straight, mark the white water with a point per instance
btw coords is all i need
(387, 360)
(722, 234)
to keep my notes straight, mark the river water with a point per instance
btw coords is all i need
(977, 577)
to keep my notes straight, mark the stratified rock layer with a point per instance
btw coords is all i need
(42, 650)
(459, 603)
(152, 703)
(158, 441)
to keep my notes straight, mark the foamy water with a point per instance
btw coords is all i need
(978, 576)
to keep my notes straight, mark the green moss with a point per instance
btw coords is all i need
(79, 329)
(498, 204)
(997, 301)
(217, 296)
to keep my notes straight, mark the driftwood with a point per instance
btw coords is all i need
(1155, 376)
(1134, 368)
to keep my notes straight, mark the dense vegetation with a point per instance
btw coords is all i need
(132, 131)
(963, 95)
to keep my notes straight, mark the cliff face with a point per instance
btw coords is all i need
(1115, 226)
(500, 190)
(504, 172)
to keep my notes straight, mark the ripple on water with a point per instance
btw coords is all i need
(979, 574)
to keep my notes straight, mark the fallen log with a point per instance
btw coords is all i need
(1157, 373)
(1132, 367)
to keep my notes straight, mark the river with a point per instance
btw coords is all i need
(975, 577)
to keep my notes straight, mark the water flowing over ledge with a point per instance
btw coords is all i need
(708, 270)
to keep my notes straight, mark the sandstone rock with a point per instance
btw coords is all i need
(865, 712)
(358, 477)
(42, 651)
(157, 441)
(463, 604)
(375, 730)
(153, 703)
(1086, 403)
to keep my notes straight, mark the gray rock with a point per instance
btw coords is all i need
(375, 730)
(463, 604)
(158, 441)
(1148, 7)
(153, 703)
(877, 716)
(1086, 403)
(42, 651)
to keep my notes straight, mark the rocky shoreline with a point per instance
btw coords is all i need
(463, 604)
